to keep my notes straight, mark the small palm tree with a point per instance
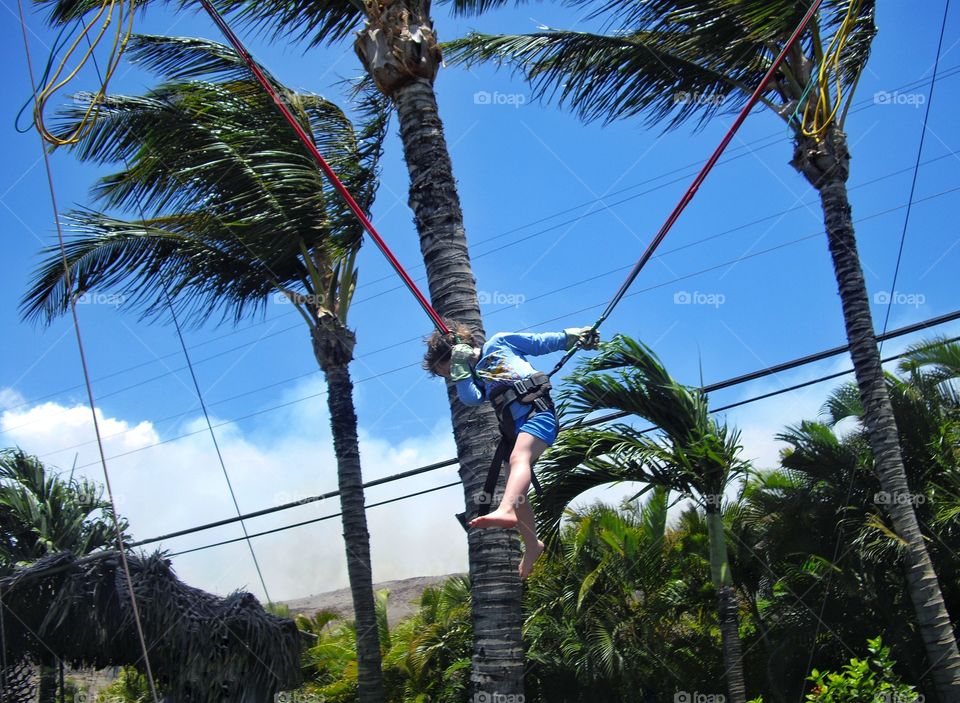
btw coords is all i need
(429, 655)
(692, 454)
(42, 513)
(612, 610)
(239, 215)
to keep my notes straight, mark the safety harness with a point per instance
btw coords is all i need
(533, 391)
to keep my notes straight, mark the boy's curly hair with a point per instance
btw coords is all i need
(439, 345)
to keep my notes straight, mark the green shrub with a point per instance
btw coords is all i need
(869, 680)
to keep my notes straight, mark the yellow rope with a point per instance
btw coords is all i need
(124, 10)
(824, 109)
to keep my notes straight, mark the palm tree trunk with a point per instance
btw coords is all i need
(726, 602)
(399, 49)
(343, 422)
(498, 658)
(826, 165)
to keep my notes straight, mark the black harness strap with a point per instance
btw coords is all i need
(533, 391)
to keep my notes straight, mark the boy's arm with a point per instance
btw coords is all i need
(532, 344)
(468, 392)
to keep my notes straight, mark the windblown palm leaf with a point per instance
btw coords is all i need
(670, 61)
(239, 210)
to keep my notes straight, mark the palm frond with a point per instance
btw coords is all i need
(138, 260)
(843, 402)
(318, 22)
(223, 188)
(188, 58)
(600, 77)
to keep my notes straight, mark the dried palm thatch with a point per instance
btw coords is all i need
(16, 683)
(203, 648)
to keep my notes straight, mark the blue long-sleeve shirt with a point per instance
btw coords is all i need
(503, 359)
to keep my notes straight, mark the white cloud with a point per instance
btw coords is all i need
(10, 398)
(285, 457)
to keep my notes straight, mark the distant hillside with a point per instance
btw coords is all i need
(403, 601)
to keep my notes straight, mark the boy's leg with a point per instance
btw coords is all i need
(532, 546)
(525, 454)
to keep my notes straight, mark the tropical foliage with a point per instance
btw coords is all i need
(622, 606)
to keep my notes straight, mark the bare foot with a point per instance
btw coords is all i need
(498, 518)
(530, 556)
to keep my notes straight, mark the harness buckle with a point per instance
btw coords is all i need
(520, 387)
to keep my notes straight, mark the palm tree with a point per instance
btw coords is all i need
(397, 45)
(240, 214)
(815, 530)
(676, 60)
(613, 610)
(429, 656)
(695, 454)
(43, 513)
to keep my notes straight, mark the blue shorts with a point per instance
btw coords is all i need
(542, 425)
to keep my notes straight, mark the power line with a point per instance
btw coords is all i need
(756, 254)
(916, 169)
(596, 421)
(711, 388)
(508, 307)
(748, 148)
(320, 519)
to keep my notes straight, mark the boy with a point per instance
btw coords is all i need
(489, 373)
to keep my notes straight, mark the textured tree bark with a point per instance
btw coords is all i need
(498, 658)
(826, 166)
(726, 603)
(398, 48)
(333, 346)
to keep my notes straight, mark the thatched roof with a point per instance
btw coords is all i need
(203, 648)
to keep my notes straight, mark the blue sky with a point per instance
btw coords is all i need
(556, 212)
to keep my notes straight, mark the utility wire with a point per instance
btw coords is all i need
(711, 388)
(916, 169)
(135, 610)
(494, 312)
(596, 421)
(747, 148)
(588, 423)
